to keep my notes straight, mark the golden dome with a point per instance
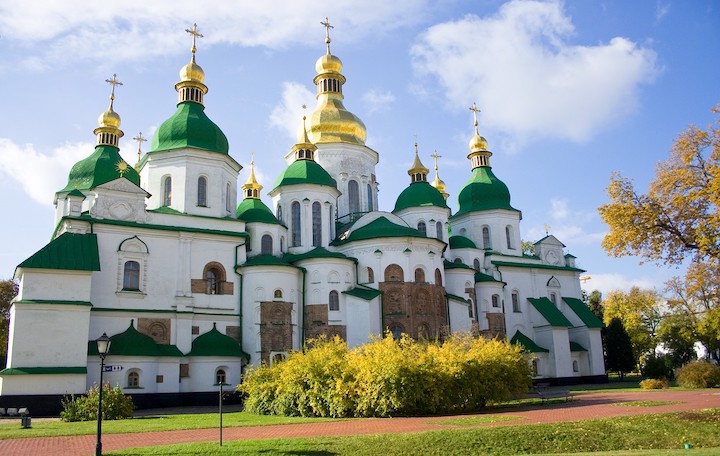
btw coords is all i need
(417, 166)
(328, 63)
(109, 118)
(478, 143)
(192, 72)
(438, 184)
(331, 122)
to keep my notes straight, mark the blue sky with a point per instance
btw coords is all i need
(569, 92)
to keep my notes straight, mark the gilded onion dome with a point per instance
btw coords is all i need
(330, 121)
(252, 209)
(417, 172)
(437, 182)
(419, 193)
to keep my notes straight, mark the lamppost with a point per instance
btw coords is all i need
(103, 346)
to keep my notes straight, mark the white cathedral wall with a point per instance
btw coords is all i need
(56, 285)
(471, 225)
(460, 320)
(42, 384)
(430, 215)
(306, 195)
(364, 318)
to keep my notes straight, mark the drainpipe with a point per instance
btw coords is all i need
(240, 297)
(301, 313)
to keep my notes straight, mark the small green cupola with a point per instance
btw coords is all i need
(105, 164)
(189, 126)
(252, 209)
(483, 191)
(419, 193)
(214, 343)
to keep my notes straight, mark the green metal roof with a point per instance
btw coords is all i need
(305, 172)
(102, 166)
(549, 312)
(317, 252)
(453, 265)
(535, 265)
(254, 210)
(43, 370)
(381, 227)
(265, 260)
(365, 293)
(480, 277)
(576, 347)
(457, 298)
(131, 342)
(461, 242)
(420, 194)
(189, 126)
(69, 251)
(584, 313)
(528, 344)
(214, 343)
(484, 192)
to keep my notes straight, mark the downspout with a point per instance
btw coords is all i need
(240, 299)
(301, 314)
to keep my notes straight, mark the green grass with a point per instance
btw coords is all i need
(613, 435)
(148, 424)
(647, 403)
(475, 420)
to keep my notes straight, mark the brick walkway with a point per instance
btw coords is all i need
(583, 407)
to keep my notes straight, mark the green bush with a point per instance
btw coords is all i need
(388, 377)
(654, 383)
(115, 405)
(657, 367)
(699, 374)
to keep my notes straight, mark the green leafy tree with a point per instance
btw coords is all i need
(676, 332)
(640, 313)
(594, 302)
(618, 348)
(8, 291)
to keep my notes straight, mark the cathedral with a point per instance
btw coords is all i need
(193, 281)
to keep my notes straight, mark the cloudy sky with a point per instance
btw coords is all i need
(569, 92)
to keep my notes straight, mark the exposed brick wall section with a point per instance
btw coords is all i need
(419, 308)
(275, 328)
(316, 323)
(157, 328)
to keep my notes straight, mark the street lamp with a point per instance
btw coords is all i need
(103, 346)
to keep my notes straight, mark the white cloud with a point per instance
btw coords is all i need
(40, 175)
(608, 282)
(139, 30)
(377, 100)
(560, 209)
(528, 78)
(287, 115)
(661, 10)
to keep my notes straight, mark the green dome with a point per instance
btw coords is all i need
(419, 194)
(214, 343)
(254, 210)
(305, 172)
(484, 192)
(102, 166)
(190, 127)
(461, 242)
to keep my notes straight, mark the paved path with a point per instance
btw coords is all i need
(583, 407)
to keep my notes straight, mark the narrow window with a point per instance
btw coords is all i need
(316, 224)
(438, 277)
(439, 230)
(419, 275)
(279, 213)
(371, 275)
(535, 367)
(334, 300)
(486, 237)
(331, 221)
(266, 245)
(370, 198)
(131, 276)
(515, 302)
(508, 235)
(133, 379)
(212, 278)
(202, 191)
(553, 298)
(228, 203)
(470, 310)
(296, 228)
(277, 294)
(476, 264)
(575, 366)
(353, 196)
(495, 300)
(220, 377)
(422, 228)
(397, 331)
(167, 191)
(394, 273)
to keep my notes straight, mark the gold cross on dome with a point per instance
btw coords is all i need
(436, 156)
(139, 138)
(475, 110)
(113, 82)
(547, 229)
(195, 34)
(327, 25)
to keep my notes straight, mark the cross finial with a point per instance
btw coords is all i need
(252, 158)
(139, 138)
(195, 34)
(436, 156)
(475, 110)
(547, 229)
(113, 82)
(327, 25)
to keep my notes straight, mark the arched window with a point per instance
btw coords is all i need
(553, 297)
(486, 237)
(508, 235)
(438, 277)
(397, 330)
(212, 279)
(422, 228)
(575, 366)
(331, 220)
(515, 301)
(202, 191)
(167, 191)
(266, 245)
(457, 260)
(534, 367)
(279, 213)
(228, 202)
(133, 379)
(394, 273)
(220, 377)
(476, 264)
(334, 301)
(295, 221)
(353, 196)
(371, 275)
(316, 224)
(370, 197)
(439, 230)
(419, 275)
(277, 294)
(495, 300)
(282, 243)
(131, 276)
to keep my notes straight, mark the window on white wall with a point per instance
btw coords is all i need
(266, 245)
(370, 197)
(334, 299)
(486, 237)
(316, 224)
(515, 301)
(167, 191)
(131, 276)
(422, 228)
(133, 379)
(202, 191)
(220, 376)
(508, 235)
(353, 196)
(495, 300)
(296, 226)
(439, 230)
(228, 200)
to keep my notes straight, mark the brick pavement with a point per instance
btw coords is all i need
(583, 407)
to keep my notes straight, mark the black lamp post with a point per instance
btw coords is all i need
(103, 346)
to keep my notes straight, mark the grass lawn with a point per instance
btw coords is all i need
(650, 433)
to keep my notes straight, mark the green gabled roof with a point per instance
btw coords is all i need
(420, 194)
(461, 242)
(576, 347)
(588, 318)
(215, 343)
(76, 192)
(265, 260)
(452, 265)
(480, 277)
(254, 210)
(131, 342)
(43, 370)
(368, 294)
(528, 344)
(535, 265)
(484, 192)
(456, 298)
(102, 166)
(190, 127)
(381, 227)
(305, 172)
(166, 210)
(317, 252)
(69, 251)
(549, 312)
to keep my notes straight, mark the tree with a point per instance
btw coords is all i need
(618, 348)
(677, 334)
(678, 217)
(639, 312)
(594, 302)
(8, 291)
